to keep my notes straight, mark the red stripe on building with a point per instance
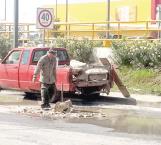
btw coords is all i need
(154, 4)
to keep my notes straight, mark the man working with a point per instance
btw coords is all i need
(46, 66)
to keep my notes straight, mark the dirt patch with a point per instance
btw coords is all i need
(75, 112)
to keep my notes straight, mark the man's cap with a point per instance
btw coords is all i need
(52, 51)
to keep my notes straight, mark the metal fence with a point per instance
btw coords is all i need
(91, 30)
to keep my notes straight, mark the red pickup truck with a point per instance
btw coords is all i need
(16, 72)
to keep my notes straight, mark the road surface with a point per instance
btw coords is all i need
(125, 123)
(18, 130)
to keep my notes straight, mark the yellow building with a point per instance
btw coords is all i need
(136, 10)
(121, 11)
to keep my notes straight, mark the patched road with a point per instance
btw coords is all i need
(94, 121)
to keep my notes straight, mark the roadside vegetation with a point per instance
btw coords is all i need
(5, 46)
(139, 62)
(138, 54)
(142, 81)
(80, 50)
(139, 65)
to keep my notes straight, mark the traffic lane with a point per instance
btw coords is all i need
(119, 117)
(31, 131)
(98, 100)
(16, 98)
(122, 118)
(20, 98)
(115, 98)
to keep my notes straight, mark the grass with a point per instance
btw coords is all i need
(144, 81)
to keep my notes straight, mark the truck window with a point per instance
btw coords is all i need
(62, 55)
(25, 57)
(37, 55)
(13, 58)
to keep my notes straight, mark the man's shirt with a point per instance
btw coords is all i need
(47, 68)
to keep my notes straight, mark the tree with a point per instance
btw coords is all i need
(81, 50)
(5, 46)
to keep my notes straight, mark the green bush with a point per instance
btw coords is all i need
(139, 53)
(5, 46)
(78, 49)
(142, 81)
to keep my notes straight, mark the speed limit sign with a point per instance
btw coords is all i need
(45, 18)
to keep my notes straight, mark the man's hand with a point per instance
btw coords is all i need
(33, 80)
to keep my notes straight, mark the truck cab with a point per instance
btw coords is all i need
(17, 69)
(18, 66)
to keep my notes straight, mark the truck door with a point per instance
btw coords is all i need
(10, 68)
(24, 79)
(36, 55)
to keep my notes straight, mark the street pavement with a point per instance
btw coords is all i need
(22, 130)
(119, 128)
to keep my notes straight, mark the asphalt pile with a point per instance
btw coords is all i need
(61, 110)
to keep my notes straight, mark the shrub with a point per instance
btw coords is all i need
(140, 53)
(5, 46)
(78, 49)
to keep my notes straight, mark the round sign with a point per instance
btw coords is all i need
(45, 18)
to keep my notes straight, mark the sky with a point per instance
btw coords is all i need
(28, 8)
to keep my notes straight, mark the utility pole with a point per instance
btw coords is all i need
(158, 18)
(56, 9)
(108, 18)
(16, 19)
(66, 19)
(66, 10)
(5, 11)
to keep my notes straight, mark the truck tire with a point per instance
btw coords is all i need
(91, 91)
(30, 96)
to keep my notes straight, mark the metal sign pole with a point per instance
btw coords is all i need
(44, 38)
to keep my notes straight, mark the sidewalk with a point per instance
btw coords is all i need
(139, 97)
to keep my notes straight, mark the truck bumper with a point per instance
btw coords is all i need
(92, 83)
(66, 87)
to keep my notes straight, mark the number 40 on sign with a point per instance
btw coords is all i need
(45, 18)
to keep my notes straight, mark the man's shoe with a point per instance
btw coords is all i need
(48, 106)
(43, 106)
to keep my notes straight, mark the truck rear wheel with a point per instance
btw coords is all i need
(31, 96)
(91, 91)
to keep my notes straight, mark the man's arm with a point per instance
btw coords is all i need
(37, 69)
(55, 68)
